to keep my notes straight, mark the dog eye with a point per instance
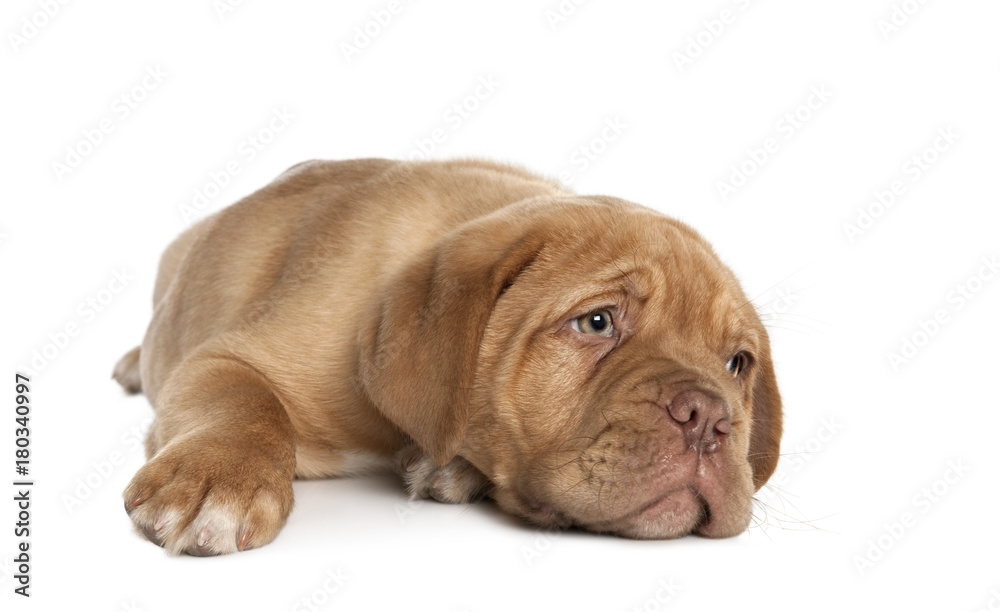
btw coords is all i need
(738, 363)
(598, 323)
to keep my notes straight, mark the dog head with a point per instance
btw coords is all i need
(593, 358)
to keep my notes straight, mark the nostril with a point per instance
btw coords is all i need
(724, 426)
(681, 409)
(692, 407)
(703, 418)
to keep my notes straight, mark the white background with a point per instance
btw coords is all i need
(865, 442)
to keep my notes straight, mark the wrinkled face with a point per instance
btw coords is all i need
(615, 386)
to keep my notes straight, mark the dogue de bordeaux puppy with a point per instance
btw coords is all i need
(582, 360)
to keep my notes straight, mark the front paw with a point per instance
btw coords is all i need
(457, 482)
(209, 498)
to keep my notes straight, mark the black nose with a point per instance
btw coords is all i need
(703, 418)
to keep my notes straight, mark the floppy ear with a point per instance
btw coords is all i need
(765, 427)
(420, 349)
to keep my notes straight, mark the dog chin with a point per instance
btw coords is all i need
(673, 514)
(678, 512)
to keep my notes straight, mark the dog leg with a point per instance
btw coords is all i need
(457, 482)
(127, 372)
(221, 477)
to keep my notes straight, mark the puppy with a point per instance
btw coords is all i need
(582, 360)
